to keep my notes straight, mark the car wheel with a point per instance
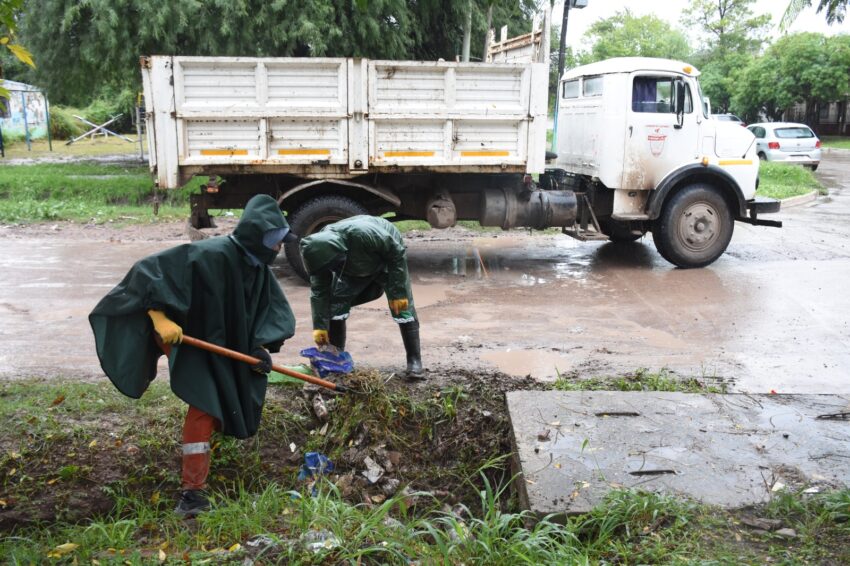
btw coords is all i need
(762, 156)
(695, 226)
(314, 215)
(814, 167)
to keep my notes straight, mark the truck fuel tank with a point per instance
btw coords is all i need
(537, 209)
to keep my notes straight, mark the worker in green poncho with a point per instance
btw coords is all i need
(221, 290)
(355, 261)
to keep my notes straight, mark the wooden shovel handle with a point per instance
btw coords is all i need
(252, 360)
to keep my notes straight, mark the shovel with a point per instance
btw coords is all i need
(252, 360)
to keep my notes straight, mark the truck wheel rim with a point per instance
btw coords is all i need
(699, 226)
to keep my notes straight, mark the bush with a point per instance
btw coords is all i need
(63, 125)
(111, 104)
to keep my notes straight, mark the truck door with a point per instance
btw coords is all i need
(658, 138)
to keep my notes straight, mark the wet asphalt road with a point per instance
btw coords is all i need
(771, 314)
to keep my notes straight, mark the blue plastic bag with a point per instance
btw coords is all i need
(328, 362)
(315, 465)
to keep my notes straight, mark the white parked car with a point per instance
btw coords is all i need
(787, 141)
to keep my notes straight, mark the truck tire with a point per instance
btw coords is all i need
(618, 232)
(695, 226)
(314, 215)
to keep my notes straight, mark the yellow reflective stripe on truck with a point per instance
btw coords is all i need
(224, 152)
(409, 153)
(736, 162)
(304, 151)
(491, 153)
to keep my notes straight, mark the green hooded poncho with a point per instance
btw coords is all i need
(375, 262)
(216, 292)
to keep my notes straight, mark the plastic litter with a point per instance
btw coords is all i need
(328, 361)
(315, 464)
(281, 379)
(318, 541)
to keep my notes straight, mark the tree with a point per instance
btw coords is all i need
(804, 67)
(626, 35)
(834, 9)
(8, 26)
(94, 45)
(731, 37)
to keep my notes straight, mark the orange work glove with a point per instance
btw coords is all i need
(167, 329)
(398, 305)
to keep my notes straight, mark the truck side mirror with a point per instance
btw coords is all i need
(680, 102)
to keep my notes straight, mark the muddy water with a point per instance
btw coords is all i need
(771, 314)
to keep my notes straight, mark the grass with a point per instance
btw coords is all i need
(783, 180)
(640, 380)
(65, 444)
(83, 192)
(836, 142)
(84, 148)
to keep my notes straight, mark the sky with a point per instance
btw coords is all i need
(671, 11)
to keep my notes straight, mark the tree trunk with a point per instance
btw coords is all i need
(487, 32)
(467, 33)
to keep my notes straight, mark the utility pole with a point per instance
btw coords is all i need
(561, 50)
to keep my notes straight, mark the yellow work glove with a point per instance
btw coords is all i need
(398, 305)
(167, 329)
(320, 337)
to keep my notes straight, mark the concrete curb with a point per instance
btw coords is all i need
(798, 200)
(834, 150)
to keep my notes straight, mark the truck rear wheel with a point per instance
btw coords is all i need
(314, 215)
(694, 228)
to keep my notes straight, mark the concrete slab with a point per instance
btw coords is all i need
(728, 450)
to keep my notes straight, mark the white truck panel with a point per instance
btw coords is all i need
(210, 112)
(448, 114)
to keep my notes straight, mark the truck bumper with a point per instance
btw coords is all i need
(762, 205)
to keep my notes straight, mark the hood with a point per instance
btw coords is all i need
(261, 215)
(320, 249)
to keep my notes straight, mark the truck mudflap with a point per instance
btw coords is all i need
(762, 205)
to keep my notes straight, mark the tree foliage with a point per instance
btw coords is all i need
(8, 25)
(94, 45)
(804, 67)
(627, 35)
(730, 36)
(834, 10)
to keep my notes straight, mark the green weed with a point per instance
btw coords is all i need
(640, 380)
(783, 180)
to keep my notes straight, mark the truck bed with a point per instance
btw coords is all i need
(341, 117)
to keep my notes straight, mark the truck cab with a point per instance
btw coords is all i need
(634, 133)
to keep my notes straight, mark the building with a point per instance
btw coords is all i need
(25, 111)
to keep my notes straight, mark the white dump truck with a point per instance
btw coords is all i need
(442, 141)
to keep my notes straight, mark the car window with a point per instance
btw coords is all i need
(793, 133)
(757, 131)
(655, 95)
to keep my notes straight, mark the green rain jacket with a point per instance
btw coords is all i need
(216, 292)
(375, 262)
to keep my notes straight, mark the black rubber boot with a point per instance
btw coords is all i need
(336, 334)
(410, 337)
(192, 502)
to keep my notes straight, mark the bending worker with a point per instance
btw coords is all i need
(220, 290)
(355, 261)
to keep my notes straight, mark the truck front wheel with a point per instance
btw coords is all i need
(694, 227)
(314, 215)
